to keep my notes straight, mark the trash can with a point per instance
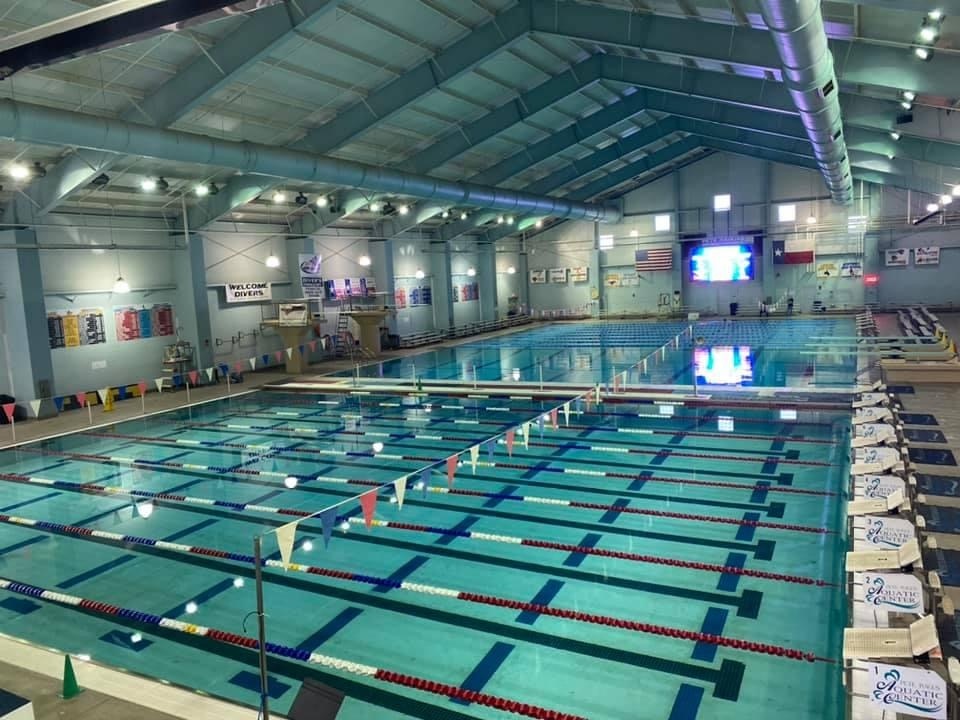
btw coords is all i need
(734, 306)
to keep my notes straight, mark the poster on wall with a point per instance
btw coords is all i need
(310, 278)
(896, 258)
(341, 288)
(467, 292)
(852, 269)
(612, 280)
(140, 323)
(248, 292)
(827, 270)
(69, 329)
(558, 275)
(578, 274)
(538, 277)
(926, 256)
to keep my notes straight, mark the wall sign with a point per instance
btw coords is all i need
(896, 258)
(578, 274)
(248, 292)
(310, 278)
(893, 592)
(851, 269)
(827, 270)
(926, 256)
(558, 275)
(538, 277)
(69, 329)
(141, 323)
(908, 690)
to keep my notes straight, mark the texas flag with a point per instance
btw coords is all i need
(793, 251)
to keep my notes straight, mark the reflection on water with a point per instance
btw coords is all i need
(723, 365)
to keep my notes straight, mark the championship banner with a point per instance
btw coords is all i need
(911, 691)
(897, 592)
(896, 258)
(889, 532)
(827, 270)
(248, 292)
(851, 269)
(926, 256)
(310, 278)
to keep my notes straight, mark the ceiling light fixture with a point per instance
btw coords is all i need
(100, 180)
(419, 274)
(301, 199)
(364, 261)
(18, 171)
(906, 105)
(500, 220)
(212, 189)
(471, 272)
(445, 214)
(404, 209)
(895, 135)
(279, 197)
(909, 95)
(946, 199)
(201, 190)
(928, 33)
(511, 270)
(272, 261)
(463, 215)
(932, 207)
(936, 15)
(811, 219)
(538, 224)
(956, 191)
(162, 185)
(922, 53)
(120, 286)
(321, 201)
(148, 184)
(375, 207)
(509, 219)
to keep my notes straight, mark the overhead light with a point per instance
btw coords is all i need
(148, 184)
(932, 207)
(956, 191)
(18, 171)
(162, 185)
(936, 15)
(511, 270)
(463, 215)
(895, 135)
(811, 219)
(445, 214)
(419, 274)
(922, 53)
(928, 33)
(364, 260)
(471, 272)
(906, 105)
(539, 223)
(272, 261)
(403, 209)
(321, 201)
(202, 190)
(634, 233)
(909, 95)
(509, 219)
(121, 286)
(279, 197)
(499, 219)
(100, 180)
(890, 156)
(946, 199)
(291, 481)
(375, 207)
(301, 199)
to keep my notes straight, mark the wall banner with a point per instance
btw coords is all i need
(852, 269)
(827, 270)
(558, 275)
(248, 292)
(578, 274)
(73, 329)
(896, 258)
(538, 277)
(926, 256)
(141, 323)
(310, 275)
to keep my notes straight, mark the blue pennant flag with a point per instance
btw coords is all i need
(425, 480)
(328, 518)
(122, 392)
(540, 425)
(302, 348)
(177, 380)
(59, 403)
(224, 368)
(266, 359)
(490, 448)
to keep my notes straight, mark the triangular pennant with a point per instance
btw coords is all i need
(35, 406)
(313, 345)
(510, 434)
(491, 447)
(525, 431)
(209, 371)
(265, 358)
(303, 349)
(194, 376)
(278, 355)
(598, 396)
(474, 456)
(323, 342)
(425, 480)
(253, 363)
(566, 414)
(400, 489)
(58, 401)
(616, 383)
(8, 409)
(328, 518)
(644, 365)
(285, 537)
(81, 398)
(540, 423)
(451, 468)
(177, 380)
(368, 502)
(238, 366)
(289, 352)
(159, 383)
(623, 381)
(102, 394)
(142, 387)
(122, 392)
(553, 418)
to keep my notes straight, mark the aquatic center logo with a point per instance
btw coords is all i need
(897, 593)
(880, 486)
(889, 532)
(911, 691)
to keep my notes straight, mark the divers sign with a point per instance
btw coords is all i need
(908, 690)
(248, 292)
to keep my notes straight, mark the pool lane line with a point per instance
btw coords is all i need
(707, 638)
(327, 661)
(727, 569)
(576, 504)
(774, 509)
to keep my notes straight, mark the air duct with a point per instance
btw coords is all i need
(28, 123)
(808, 73)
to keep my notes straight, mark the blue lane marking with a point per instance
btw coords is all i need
(174, 457)
(207, 594)
(505, 490)
(687, 704)
(122, 639)
(94, 572)
(728, 581)
(641, 480)
(778, 445)
(660, 458)
(403, 572)
(544, 596)
(746, 532)
(538, 467)
(21, 606)
(330, 629)
(49, 467)
(461, 526)
(759, 496)
(192, 529)
(769, 466)
(261, 498)
(485, 669)
(251, 682)
(102, 514)
(23, 503)
(22, 544)
(189, 483)
(565, 447)
(713, 624)
(610, 516)
(575, 559)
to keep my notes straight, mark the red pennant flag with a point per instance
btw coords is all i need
(553, 417)
(193, 375)
(278, 355)
(451, 468)
(8, 409)
(81, 398)
(368, 501)
(142, 387)
(238, 367)
(510, 436)
(313, 345)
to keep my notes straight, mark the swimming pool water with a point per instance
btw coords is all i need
(764, 496)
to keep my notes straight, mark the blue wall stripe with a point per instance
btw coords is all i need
(337, 624)
(544, 596)
(485, 669)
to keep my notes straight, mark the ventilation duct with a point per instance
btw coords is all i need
(808, 73)
(24, 122)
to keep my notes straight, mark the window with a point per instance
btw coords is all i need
(787, 213)
(661, 223)
(721, 203)
(606, 242)
(725, 423)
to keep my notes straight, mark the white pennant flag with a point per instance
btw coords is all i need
(599, 400)
(525, 430)
(35, 406)
(285, 536)
(566, 414)
(159, 383)
(400, 488)
(289, 353)
(210, 372)
(323, 342)
(102, 394)
(474, 455)
(253, 363)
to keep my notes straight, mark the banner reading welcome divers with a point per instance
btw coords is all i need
(248, 292)
(893, 592)
(908, 690)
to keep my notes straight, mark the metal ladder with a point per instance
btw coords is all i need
(343, 344)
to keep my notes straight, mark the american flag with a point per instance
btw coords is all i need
(654, 259)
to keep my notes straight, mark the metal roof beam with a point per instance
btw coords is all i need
(238, 191)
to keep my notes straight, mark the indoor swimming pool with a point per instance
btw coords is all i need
(686, 557)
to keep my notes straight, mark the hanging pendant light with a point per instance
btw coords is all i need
(120, 286)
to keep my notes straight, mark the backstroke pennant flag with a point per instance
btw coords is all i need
(400, 489)
(368, 502)
(81, 398)
(451, 468)
(566, 413)
(194, 376)
(313, 345)
(209, 372)
(553, 418)
(474, 456)
(285, 536)
(8, 409)
(266, 359)
(328, 518)
(142, 387)
(525, 431)
(289, 352)
(238, 366)
(35, 406)
(490, 445)
(279, 355)
(102, 394)
(253, 363)
(510, 435)
(159, 383)
(58, 401)
(425, 480)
